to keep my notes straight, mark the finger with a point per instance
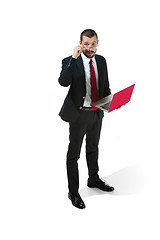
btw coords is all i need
(80, 47)
(83, 48)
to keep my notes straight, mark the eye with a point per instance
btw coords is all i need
(94, 44)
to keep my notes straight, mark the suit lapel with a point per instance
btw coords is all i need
(99, 67)
(81, 68)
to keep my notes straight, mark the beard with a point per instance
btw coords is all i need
(89, 53)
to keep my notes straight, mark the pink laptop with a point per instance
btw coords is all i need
(115, 101)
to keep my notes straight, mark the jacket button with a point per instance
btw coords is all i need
(80, 108)
(83, 97)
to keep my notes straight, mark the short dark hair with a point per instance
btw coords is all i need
(88, 33)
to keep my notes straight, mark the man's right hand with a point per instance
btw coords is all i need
(77, 51)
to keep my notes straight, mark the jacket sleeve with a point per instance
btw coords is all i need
(65, 78)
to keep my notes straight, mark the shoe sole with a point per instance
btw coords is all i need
(90, 186)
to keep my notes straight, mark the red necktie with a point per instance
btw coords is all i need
(94, 90)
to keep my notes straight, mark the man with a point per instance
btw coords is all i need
(86, 74)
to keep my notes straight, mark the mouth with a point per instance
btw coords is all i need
(90, 52)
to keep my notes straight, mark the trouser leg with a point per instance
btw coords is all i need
(77, 132)
(92, 142)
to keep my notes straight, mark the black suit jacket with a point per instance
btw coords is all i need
(73, 75)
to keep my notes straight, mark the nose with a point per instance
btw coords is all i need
(90, 46)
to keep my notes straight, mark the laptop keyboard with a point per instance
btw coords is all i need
(106, 106)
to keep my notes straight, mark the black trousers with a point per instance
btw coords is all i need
(89, 124)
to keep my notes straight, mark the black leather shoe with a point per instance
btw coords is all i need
(100, 185)
(76, 200)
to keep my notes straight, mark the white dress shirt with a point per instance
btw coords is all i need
(86, 60)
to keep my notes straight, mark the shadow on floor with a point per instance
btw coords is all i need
(127, 181)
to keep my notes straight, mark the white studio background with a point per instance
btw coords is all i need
(35, 37)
